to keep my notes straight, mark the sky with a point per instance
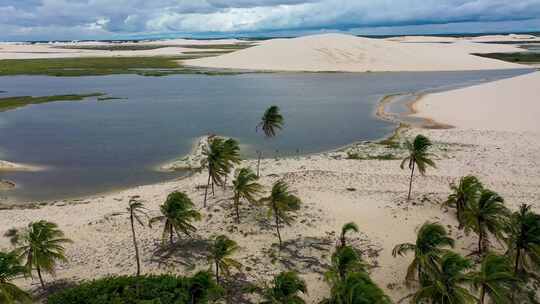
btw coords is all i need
(131, 19)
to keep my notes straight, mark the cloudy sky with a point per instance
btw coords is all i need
(114, 19)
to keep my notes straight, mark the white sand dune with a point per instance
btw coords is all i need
(338, 52)
(506, 105)
(485, 38)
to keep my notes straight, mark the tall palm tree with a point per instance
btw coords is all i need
(524, 239)
(41, 245)
(245, 187)
(220, 255)
(345, 260)
(419, 156)
(10, 269)
(431, 241)
(446, 282)
(463, 193)
(136, 210)
(280, 203)
(271, 121)
(487, 214)
(495, 278)
(219, 157)
(232, 157)
(348, 227)
(285, 289)
(357, 288)
(178, 213)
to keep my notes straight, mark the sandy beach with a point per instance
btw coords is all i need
(496, 137)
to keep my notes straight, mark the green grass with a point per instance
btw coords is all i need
(114, 47)
(522, 57)
(239, 46)
(145, 66)
(11, 103)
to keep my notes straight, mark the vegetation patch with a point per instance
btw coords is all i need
(358, 156)
(520, 57)
(11, 103)
(201, 288)
(97, 66)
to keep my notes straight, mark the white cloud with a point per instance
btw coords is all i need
(141, 17)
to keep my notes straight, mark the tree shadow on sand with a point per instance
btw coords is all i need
(185, 252)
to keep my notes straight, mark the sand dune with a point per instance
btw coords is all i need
(506, 105)
(338, 52)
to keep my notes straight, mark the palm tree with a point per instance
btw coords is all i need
(136, 211)
(219, 157)
(345, 260)
(418, 157)
(280, 203)
(430, 242)
(463, 193)
(357, 288)
(245, 187)
(445, 283)
(232, 157)
(524, 238)
(41, 245)
(487, 214)
(10, 269)
(285, 289)
(220, 255)
(271, 121)
(178, 213)
(495, 279)
(351, 226)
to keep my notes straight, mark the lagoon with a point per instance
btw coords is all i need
(93, 146)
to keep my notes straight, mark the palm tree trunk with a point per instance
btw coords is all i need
(135, 245)
(259, 155)
(480, 242)
(237, 207)
(459, 209)
(213, 192)
(217, 271)
(277, 227)
(40, 277)
(482, 294)
(518, 256)
(171, 236)
(410, 183)
(206, 190)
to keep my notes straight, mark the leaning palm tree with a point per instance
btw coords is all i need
(348, 227)
(446, 283)
(285, 289)
(231, 150)
(524, 239)
(41, 245)
(431, 241)
(271, 121)
(220, 255)
(214, 160)
(10, 269)
(463, 193)
(245, 187)
(136, 210)
(487, 214)
(419, 156)
(219, 157)
(280, 203)
(178, 213)
(494, 279)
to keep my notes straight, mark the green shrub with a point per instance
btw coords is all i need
(152, 289)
